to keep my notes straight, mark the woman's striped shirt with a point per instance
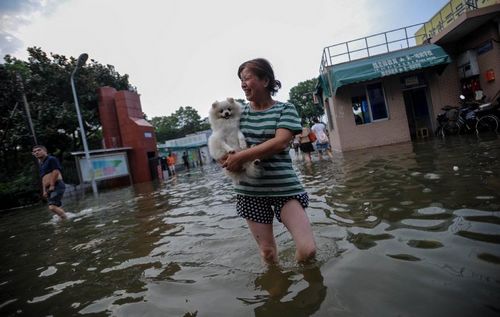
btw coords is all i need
(278, 177)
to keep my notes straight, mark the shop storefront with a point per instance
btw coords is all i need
(395, 96)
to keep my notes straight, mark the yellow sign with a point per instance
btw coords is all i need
(452, 10)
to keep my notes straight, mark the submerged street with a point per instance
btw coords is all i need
(409, 227)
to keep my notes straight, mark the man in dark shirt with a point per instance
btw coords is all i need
(185, 158)
(52, 182)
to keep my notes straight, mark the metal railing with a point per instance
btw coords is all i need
(376, 44)
(396, 39)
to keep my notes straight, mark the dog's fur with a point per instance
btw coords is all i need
(224, 117)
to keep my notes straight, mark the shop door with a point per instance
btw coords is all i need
(417, 112)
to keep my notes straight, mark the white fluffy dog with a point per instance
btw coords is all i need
(224, 117)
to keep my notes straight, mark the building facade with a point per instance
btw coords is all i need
(391, 91)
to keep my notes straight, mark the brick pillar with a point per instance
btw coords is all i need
(137, 133)
(108, 117)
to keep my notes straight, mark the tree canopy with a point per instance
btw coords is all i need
(44, 81)
(185, 120)
(302, 97)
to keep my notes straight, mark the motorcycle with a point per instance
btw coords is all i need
(448, 121)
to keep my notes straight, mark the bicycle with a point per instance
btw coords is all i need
(488, 123)
(478, 117)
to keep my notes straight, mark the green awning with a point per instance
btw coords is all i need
(392, 63)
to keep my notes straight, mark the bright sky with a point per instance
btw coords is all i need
(187, 52)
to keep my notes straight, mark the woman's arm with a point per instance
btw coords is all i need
(234, 162)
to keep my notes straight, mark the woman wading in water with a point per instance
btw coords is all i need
(269, 126)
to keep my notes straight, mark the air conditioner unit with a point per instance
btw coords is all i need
(467, 64)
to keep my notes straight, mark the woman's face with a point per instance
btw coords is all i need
(253, 87)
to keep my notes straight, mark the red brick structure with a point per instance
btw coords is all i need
(123, 125)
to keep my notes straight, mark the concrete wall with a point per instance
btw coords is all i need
(444, 90)
(489, 59)
(348, 136)
(486, 61)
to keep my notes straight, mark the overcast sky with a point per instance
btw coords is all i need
(187, 52)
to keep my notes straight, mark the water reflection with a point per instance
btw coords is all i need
(277, 284)
(399, 230)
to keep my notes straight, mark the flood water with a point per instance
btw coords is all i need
(400, 232)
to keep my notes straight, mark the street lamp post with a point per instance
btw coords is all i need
(81, 61)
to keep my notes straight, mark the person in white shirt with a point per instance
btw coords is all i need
(322, 141)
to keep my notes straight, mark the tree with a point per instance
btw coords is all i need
(165, 127)
(302, 97)
(45, 80)
(184, 121)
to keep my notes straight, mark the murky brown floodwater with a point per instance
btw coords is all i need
(400, 233)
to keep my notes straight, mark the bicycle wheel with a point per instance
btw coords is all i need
(487, 123)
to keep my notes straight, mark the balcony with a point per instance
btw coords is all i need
(398, 39)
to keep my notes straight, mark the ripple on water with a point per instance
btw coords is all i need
(474, 212)
(423, 223)
(406, 203)
(488, 257)
(485, 197)
(55, 289)
(404, 257)
(48, 272)
(160, 250)
(425, 244)
(364, 241)
(7, 302)
(432, 176)
(432, 210)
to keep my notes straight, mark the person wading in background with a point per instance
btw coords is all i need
(52, 182)
(322, 142)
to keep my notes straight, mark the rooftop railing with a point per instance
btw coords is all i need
(397, 39)
(376, 44)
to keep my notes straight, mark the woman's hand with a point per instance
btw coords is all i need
(234, 162)
(222, 159)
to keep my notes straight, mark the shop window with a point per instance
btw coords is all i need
(368, 104)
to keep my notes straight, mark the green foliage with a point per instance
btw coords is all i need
(22, 189)
(45, 82)
(184, 121)
(302, 97)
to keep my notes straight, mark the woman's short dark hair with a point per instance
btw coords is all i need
(262, 69)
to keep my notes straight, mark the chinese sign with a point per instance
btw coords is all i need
(105, 167)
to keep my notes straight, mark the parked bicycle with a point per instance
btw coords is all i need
(487, 121)
(471, 116)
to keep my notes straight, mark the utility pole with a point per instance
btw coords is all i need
(26, 108)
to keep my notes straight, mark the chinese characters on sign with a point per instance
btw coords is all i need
(448, 13)
(403, 64)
